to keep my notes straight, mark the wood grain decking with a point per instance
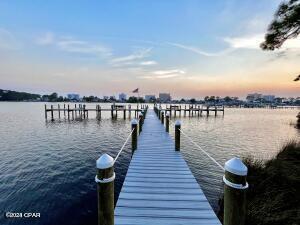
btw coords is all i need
(159, 188)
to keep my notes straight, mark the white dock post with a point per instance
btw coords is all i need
(105, 189)
(235, 192)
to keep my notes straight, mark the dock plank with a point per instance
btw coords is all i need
(159, 187)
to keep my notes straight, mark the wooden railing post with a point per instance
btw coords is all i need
(235, 192)
(162, 117)
(105, 189)
(167, 122)
(134, 135)
(140, 122)
(177, 135)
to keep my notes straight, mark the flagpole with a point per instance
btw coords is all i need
(138, 99)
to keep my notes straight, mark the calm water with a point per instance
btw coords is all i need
(49, 167)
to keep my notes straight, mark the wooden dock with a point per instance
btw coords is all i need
(80, 111)
(159, 187)
(192, 109)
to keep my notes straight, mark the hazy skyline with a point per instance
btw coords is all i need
(187, 48)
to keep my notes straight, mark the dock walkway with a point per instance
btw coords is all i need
(159, 187)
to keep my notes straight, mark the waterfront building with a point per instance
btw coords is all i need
(150, 98)
(253, 97)
(164, 97)
(269, 98)
(122, 97)
(74, 97)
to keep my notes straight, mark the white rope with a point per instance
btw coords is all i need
(124, 145)
(203, 150)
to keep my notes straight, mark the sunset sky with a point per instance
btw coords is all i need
(187, 48)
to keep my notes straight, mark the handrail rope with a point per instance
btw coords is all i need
(215, 161)
(123, 145)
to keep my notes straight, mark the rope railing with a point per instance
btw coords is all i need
(123, 146)
(191, 140)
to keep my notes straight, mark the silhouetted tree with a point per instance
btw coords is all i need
(193, 101)
(286, 24)
(227, 99)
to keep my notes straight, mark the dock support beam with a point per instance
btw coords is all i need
(177, 135)
(235, 192)
(134, 135)
(105, 189)
(167, 122)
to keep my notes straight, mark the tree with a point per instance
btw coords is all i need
(227, 99)
(53, 97)
(192, 101)
(286, 25)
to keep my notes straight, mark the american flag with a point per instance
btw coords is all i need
(135, 91)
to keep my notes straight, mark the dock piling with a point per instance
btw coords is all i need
(45, 111)
(177, 135)
(167, 122)
(52, 118)
(140, 122)
(68, 111)
(162, 117)
(134, 135)
(235, 192)
(105, 189)
(58, 107)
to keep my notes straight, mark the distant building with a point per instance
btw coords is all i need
(105, 98)
(74, 97)
(122, 97)
(269, 98)
(150, 98)
(164, 97)
(253, 97)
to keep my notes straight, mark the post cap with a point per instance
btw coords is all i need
(134, 122)
(178, 123)
(236, 166)
(105, 161)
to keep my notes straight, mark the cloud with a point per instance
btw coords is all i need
(45, 39)
(164, 74)
(8, 40)
(254, 41)
(250, 42)
(199, 51)
(139, 54)
(148, 63)
(77, 46)
(168, 72)
(72, 45)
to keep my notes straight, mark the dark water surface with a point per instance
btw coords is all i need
(49, 167)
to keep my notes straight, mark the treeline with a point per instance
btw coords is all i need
(7, 95)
